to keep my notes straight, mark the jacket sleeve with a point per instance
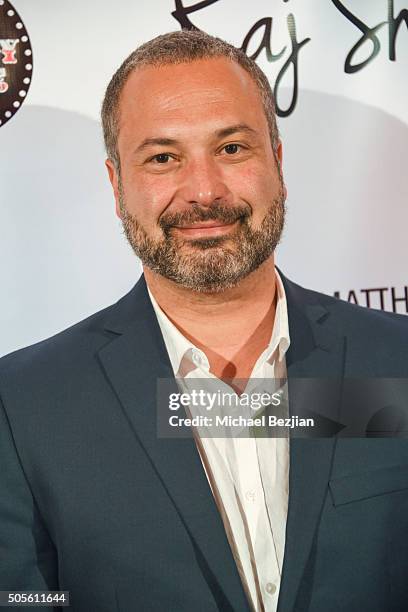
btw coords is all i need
(28, 559)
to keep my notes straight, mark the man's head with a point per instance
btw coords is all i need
(194, 160)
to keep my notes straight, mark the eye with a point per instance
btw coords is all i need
(162, 162)
(161, 158)
(232, 149)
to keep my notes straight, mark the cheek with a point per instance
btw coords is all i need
(254, 184)
(147, 199)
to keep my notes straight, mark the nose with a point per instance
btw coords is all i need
(204, 184)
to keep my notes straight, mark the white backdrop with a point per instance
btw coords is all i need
(62, 251)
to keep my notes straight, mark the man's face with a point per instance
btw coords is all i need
(199, 193)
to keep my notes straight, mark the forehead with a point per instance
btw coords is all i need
(189, 96)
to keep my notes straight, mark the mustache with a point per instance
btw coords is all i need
(217, 212)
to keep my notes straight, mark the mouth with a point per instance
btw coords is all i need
(203, 229)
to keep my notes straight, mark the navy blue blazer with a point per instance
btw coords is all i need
(93, 502)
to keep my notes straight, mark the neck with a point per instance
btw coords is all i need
(232, 327)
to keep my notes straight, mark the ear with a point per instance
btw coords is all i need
(279, 159)
(114, 179)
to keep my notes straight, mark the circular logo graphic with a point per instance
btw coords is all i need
(16, 61)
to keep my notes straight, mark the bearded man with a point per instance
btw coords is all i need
(93, 500)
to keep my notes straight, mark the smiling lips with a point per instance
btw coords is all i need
(206, 228)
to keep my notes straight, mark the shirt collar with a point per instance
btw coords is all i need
(185, 356)
(280, 333)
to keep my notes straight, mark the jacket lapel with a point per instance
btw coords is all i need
(133, 362)
(315, 351)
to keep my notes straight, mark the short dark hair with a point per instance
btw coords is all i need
(177, 48)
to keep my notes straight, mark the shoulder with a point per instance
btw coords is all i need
(73, 352)
(63, 349)
(349, 315)
(87, 336)
(361, 318)
(371, 335)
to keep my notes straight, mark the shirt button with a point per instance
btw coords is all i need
(250, 496)
(197, 358)
(270, 588)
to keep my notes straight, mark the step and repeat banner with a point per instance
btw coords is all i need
(339, 70)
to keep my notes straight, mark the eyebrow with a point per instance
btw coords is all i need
(148, 142)
(233, 129)
(168, 142)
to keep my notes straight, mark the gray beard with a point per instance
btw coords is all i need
(208, 265)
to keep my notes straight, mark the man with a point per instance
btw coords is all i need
(92, 500)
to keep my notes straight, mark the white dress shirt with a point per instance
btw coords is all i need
(249, 476)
